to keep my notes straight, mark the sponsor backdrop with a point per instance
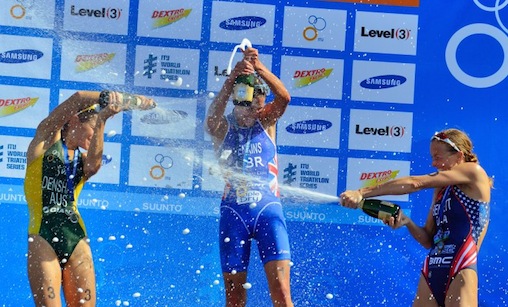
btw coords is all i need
(371, 81)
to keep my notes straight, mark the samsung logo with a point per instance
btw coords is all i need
(20, 56)
(381, 82)
(164, 117)
(309, 126)
(242, 23)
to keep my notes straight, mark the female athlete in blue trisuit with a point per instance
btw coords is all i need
(456, 224)
(250, 207)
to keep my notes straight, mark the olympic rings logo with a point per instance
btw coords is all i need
(317, 24)
(485, 29)
(158, 171)
(18, 11)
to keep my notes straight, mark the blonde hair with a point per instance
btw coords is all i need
(463, 142)
(465, 145)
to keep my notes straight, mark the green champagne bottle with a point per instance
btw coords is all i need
(243, 90)
(379, 209)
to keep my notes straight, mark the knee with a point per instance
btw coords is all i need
(236, 296)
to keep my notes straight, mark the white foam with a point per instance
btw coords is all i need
(247, 285)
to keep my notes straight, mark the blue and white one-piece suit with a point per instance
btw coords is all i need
(250, 207)
(460, 221)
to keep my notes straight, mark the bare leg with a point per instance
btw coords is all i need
(463, 290)
(44, 273)
(236, 295)
(277, 273)
(79, 277)
(424, 297)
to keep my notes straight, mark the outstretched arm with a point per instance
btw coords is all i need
(464, 173)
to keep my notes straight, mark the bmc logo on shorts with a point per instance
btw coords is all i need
(440, 260)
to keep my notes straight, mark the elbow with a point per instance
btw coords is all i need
(426, 244)
(91, 169)
(286, 97)
(415, 184)
(210, 125)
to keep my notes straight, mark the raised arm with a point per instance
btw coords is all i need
(216, 123)
(48, 131)
(92, 160)
(273, 111)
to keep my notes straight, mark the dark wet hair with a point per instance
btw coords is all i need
(87, 114)
(260, 87)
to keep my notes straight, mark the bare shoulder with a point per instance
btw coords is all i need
(42, 140)
(473, 169)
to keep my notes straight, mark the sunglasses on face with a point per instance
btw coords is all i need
(244, 103)
(441, 136)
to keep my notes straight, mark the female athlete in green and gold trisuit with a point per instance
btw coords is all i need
(53, 210)
(59, 253)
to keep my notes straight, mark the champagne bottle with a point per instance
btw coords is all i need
(379, 209)
(129, 101)
(133, 102)
(243, 90)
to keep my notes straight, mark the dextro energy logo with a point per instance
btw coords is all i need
(242, 23)
(371, 179)
(382, 82)
(165, 18)
(85, 62)
(162, 117)
(391, 131)
(307, 77)
(10, 106)
(20, 56)
(399, 34)
(308, 126)
(105, 12)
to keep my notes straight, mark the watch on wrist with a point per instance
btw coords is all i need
(104, 99)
